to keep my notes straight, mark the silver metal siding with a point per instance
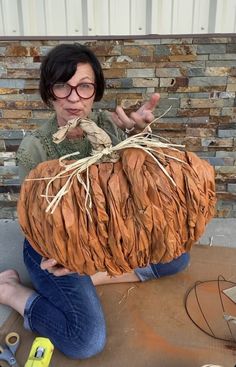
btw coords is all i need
(115, 17)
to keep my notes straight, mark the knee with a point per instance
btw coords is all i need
(180, 264)
(184, 261)
(85, 344)
(173, 267)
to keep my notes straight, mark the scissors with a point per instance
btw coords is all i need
(7, 353)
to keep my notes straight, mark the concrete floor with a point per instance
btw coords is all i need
(219, 232)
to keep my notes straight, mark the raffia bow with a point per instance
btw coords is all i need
(103, 151)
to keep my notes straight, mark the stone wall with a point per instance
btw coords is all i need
(194, 75)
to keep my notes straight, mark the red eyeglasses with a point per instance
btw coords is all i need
(83, 90)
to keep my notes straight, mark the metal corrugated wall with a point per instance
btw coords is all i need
(115, 17)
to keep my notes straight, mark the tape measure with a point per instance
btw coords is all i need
(40, 353)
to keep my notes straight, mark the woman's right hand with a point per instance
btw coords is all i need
(54, 268)
(137, 121)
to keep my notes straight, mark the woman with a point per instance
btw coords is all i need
(64, 306)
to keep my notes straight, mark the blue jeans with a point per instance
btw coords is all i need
(67, 309)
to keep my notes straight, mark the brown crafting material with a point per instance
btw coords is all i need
(143, 208)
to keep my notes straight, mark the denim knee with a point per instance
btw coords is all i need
(90, 345)
(173, 267)
(64, 309)
(154, 271)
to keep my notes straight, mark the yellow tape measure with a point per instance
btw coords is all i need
(40, 353)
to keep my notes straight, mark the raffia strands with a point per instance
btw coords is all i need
(74, 169)
(150, 205)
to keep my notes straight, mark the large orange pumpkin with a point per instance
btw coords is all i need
(137, 215)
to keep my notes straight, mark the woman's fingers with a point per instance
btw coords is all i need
(60, 271)
(140, 122)
(124, 121)
(149, 105)
(117, 121)
(139, 119)
(52, 267)
(46, 264)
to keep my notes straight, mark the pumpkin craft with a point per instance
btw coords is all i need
(141, 201)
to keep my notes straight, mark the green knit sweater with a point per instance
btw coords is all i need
(39, 147)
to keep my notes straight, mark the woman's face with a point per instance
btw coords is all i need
(73, 106)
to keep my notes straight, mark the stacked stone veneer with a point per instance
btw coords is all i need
(196, 76)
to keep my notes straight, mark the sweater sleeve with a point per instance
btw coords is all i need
(29, 155)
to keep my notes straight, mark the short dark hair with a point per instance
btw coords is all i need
(60, 65)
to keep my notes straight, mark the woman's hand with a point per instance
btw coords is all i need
(52, 267)
(138, 120)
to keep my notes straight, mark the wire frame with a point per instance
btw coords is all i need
(210, 292)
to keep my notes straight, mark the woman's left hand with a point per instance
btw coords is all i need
(137, 121)
(54, 268)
